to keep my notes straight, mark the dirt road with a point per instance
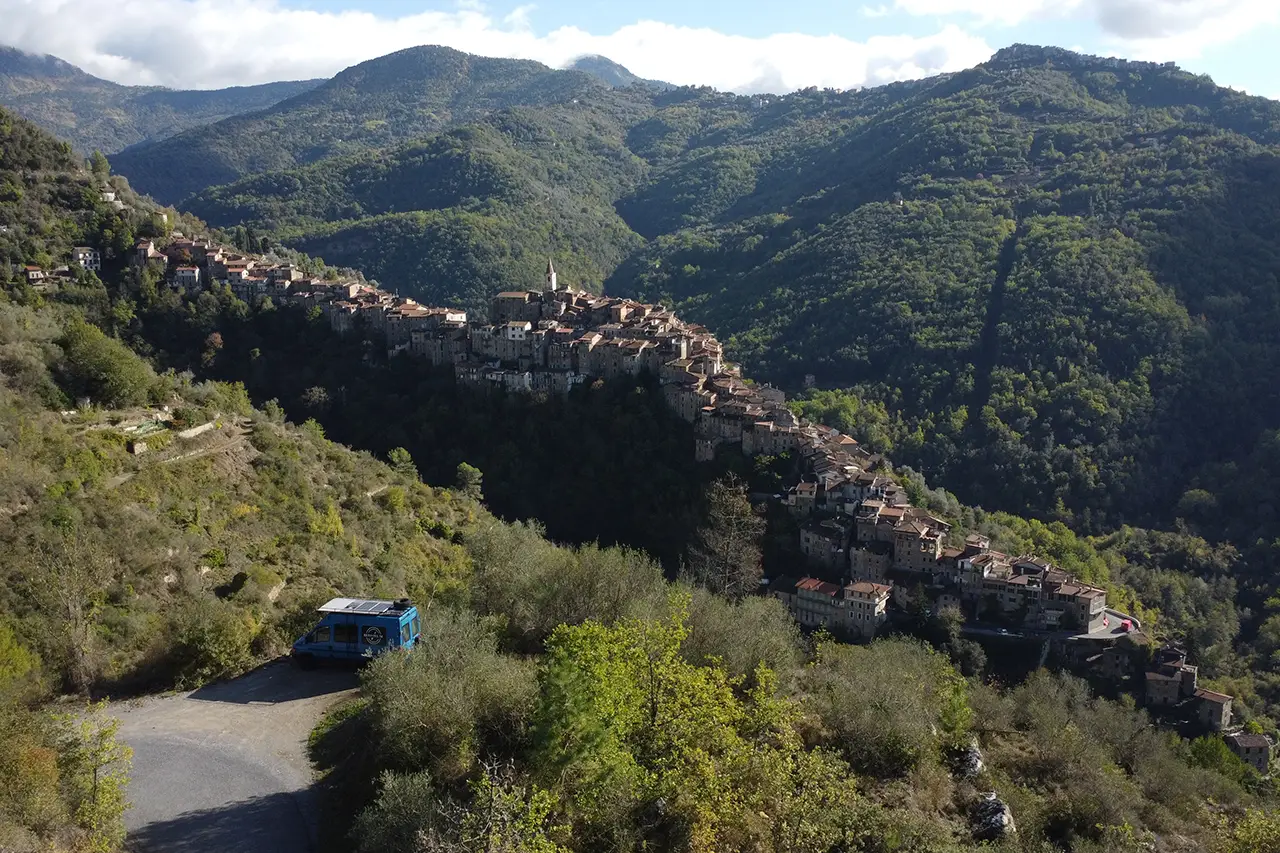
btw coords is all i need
(224, 768)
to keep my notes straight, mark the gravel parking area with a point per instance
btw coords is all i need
(224, 768)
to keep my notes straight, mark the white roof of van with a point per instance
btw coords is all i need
(357, 605)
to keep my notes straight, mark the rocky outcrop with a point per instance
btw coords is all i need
(992, 818)
(967, 762)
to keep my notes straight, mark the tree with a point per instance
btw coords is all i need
(402, 463)
(99, 165)
(469, 481)
(16, 660)
(452, 701)
(725, 554)
(316, 398)
(504, 815)
(71, 577)
(95, 771)
(1257, 832)
(627, 726)
(102, 367)
(212, 346)
(889, 705)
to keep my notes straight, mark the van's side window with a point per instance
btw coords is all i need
(405, 633)
(344, 633)
(320, 635)
(417, 626)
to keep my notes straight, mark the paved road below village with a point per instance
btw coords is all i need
(225, 768)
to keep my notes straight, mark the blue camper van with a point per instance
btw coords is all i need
(356, 629)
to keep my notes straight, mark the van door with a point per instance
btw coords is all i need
(321, 638)
(345, 639)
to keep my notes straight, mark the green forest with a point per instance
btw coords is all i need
(1031, 281)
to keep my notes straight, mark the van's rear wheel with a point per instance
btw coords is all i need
(305, 660)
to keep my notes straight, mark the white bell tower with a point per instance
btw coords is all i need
(551, 276)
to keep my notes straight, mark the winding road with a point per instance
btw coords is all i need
(224, 768)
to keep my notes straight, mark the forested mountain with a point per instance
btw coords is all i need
(1037, 277)
(447, 217)
(376, 103)
(1047, 281)
(96, 114)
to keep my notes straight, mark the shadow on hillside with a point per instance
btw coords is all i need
(272, 823)
(278, 681)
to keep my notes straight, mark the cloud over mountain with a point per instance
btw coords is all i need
(215, 43)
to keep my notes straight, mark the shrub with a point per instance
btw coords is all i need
(454, 698)
(102, 368)
(212, 640)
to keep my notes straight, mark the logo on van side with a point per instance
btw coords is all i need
(373, 635)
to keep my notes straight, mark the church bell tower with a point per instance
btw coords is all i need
(551, 276)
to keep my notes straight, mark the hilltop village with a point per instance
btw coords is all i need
(865, 544)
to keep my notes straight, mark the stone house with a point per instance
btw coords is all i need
(822, 542)
(1254, 750)
(1214, 710)
(87, 258)
(871, 562)
(801, 499)
(867, 607)
(858, 609)
(187, 277)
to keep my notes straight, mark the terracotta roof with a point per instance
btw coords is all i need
(815, 585)
(1210, 696)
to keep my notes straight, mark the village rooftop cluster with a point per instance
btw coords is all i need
(864, 541)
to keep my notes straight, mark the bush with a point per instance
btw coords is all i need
(212, 640)
(451, 700)
(102, 368)
(888, 706)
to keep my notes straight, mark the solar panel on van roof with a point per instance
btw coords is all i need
(356, 605)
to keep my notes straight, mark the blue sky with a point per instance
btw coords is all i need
(744, 45)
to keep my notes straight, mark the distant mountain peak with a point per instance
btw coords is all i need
(20, 62)
(611, 73)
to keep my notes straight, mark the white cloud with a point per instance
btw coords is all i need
(1180, 29)
(214, 43)
(1142, 29)
(1007, 12)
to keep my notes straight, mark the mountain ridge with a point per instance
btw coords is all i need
(379, 102)
(96, 114)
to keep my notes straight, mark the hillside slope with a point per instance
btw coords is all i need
(383, 101)
(96, 114)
